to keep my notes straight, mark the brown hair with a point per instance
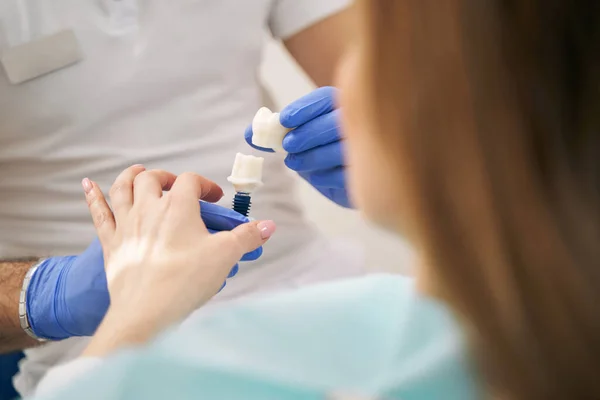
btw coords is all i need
(495, 107)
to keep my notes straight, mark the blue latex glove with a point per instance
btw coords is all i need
(314, 146)
(68, 296)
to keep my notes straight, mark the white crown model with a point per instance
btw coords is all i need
(246, 174)
(267, 131)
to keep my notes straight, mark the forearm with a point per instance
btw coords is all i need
(119, 331)
(319, 48)
(12, 337)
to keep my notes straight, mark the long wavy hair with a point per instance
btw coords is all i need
(497, 104)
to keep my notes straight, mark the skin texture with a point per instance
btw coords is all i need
(319, 48)
(155, 242)
(12, 337)
(367, 173)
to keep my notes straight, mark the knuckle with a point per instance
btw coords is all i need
(142, 175)
(230, 242)
(102, 217)
(248, 236)
(139, 177)
(167, 203)
(160, 174)
(189, 176)
(93, 198)
(119, 187)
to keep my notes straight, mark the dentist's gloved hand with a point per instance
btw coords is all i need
(314, 146)
(68, 296)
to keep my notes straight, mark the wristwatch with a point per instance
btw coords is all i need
(23, 317)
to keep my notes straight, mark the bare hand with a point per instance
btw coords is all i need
(161, 262)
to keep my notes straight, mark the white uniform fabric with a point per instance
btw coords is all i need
(172, 86)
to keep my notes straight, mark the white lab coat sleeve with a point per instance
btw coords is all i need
(62, 375)
(288, 17)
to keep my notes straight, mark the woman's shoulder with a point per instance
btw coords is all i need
(372, 335)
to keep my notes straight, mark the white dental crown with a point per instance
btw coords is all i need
(246, 174)
(267, 131)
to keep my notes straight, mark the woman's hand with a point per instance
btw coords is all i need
(161, 262)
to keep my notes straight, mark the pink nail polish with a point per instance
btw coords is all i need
(87, 185)
(266, 228)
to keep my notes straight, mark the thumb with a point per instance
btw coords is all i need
(252, 235)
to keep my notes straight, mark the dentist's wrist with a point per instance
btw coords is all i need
(24, 318)
(44, 295)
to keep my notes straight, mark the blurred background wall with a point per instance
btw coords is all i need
(285, 82)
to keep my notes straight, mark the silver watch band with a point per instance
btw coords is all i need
(23, 318)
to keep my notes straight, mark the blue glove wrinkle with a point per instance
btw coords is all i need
(334, 178)
(248, 136)
(220, 218)
(306, 108)
(233, 271)
(315, 147)
(60, 301)
(316, 159)
(217, 218)
(83, 291)
(322, 130)
(323, 181)
(253, 255)
(41, 301)
(338, 196)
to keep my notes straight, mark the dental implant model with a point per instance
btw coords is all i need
(267, 131)
(246, 176)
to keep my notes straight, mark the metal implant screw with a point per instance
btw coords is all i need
(241, 203)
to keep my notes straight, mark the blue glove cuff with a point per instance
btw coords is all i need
(43, 296)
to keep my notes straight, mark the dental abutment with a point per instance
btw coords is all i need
(246, 176)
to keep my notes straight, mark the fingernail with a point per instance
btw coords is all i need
(138, 165)
(87, 185)
(266, 228)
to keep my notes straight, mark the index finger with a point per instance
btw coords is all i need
(316, 103)
(152, 183)
(319, 131)
(121, 192)
(102, 216)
